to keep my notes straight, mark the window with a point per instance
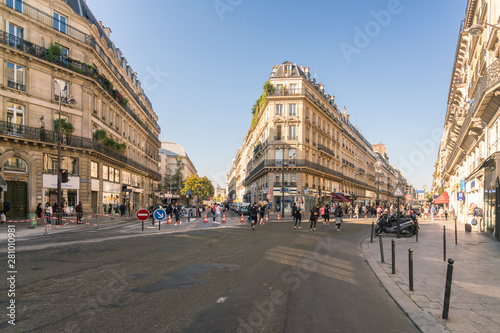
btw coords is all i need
(60, 23)
(293, 109)
(15, 118)
(278, 132)
(15, 164)
(16, 34)
(69, 163)
(126, 178)
(279, 89)
(292, 155)
(279, 154)
(60, 89)
(64, 54)
(307, 113)
(15, 76)
(15, 4)
(292, 132)
(279, 109)
(111, 174)
(105, 172)
(117, 175)
(94, 170)
(293, 88)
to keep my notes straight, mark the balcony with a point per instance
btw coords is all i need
(15, 85)
(39, 134)
(286, 184)
(73, 65)
(279, 138)
(293, 137)
(326, 150)
(307, 140)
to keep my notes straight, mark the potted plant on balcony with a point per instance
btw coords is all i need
(53, 53)
(67, 129)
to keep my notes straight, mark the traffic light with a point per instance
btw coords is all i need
(64, 176)
(408, 187)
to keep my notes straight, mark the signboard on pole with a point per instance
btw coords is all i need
(159, 214)
(142, 214)
(460, 196)
(398, 192)
(408, 197)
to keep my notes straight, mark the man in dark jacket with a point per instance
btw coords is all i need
(253, 211)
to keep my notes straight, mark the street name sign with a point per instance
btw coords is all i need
(142, 214)
(398, 192)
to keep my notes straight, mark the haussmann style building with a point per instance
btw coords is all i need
(58, 61)
(302, 148)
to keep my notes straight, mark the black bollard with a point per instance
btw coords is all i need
(416, 234)
(410, 268)
(142, 225)
(444, 242)
(381, 248)
(456, 242)
(447, 290)
(373, 227)
(393, 256)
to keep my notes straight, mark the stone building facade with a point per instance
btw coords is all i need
(58, 61)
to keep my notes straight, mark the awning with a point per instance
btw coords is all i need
(3, 184)
(339, 197)
(442, 199)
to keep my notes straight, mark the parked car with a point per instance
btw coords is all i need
(243, 208)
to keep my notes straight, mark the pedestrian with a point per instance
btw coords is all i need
(79, 212)
(478, 215)
(217, 213)
(212, 210)
(169, 210)
(253, 211)
(313, 218)
(38, 212)
(322, 213)
(338, 218)
(326, 217)
(440, 213)
(356, 212)
(122, 209)
(3, 218)
(452, 212)
(298, 217)
(446, 213)
(262, 210)
(294, 211)
(48, 213)
(379, 211)
(351, 212)
(177, 212)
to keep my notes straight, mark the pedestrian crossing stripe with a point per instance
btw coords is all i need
(398, 192)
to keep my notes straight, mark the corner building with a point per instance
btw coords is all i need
(58, 60)
(300, 141)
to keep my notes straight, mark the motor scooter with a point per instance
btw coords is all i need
(388, 224)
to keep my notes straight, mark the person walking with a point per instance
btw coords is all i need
(217, 213)
(313, 218)
(338, 218)
(48, 213)
(298, 217)
(452, 212)
(176, 210)
(122, 209)
(326, 217)
(322, 214)
(38, 212)
(79, 212)
(351, 212)
(262, 211)
(253, 211)
(356, 212)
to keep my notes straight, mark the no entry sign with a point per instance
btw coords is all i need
(142, 214)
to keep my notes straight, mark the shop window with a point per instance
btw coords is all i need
(15, 164)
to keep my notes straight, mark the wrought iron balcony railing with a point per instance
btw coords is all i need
(40, 134)
(15, 85)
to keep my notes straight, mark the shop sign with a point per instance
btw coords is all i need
(460, 196)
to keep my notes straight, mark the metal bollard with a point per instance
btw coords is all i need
(447, 290)
(456, 242)
(444, 242)
(410, 268)
(142, 225)
(373, 227)
(393, 256)
(381, 248)
(416, 235)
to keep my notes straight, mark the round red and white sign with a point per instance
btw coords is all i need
(142, 214)
(408, 196)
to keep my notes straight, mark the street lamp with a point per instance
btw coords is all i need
(477, 29)
(59, 175)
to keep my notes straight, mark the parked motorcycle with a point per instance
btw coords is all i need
(388, 224)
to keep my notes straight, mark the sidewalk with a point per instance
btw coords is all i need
(475, 291)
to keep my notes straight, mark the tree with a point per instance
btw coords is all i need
(177, 176)
(168, 179)
(200, 186)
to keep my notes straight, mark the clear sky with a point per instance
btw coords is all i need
(203, 64)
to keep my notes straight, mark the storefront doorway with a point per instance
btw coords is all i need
(17, 197)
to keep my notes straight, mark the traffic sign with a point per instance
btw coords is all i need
(408, 197)
(142, 214)
(398, 192)
(188, 192)
(160, 214)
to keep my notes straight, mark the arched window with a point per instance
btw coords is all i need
(15, 164)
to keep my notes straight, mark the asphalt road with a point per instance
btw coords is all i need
(200, 279)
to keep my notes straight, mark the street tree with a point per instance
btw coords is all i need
(200, 186)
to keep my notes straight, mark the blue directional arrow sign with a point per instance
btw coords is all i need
(160, 214)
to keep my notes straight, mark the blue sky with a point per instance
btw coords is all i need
(203, 64)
